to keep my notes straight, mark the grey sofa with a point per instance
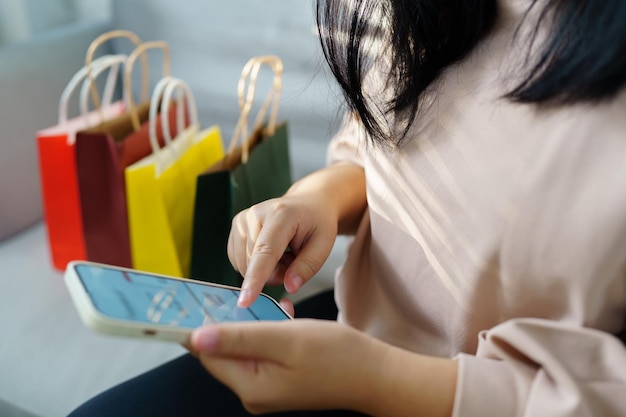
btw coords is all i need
(49, 363)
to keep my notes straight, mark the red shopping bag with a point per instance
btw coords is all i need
(57, 163)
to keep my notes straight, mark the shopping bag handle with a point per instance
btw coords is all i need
(128, 90)
(113, 75)
(273, 97)
(184, 93)
(248, 80)
(157, 96)
(111, 62)
(162, 95)
(92, 50)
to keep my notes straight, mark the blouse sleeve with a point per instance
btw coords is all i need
(536, 367)
(348, 144)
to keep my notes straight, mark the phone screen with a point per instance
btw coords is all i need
(146, 298)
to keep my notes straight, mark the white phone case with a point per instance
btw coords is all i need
(102, 323)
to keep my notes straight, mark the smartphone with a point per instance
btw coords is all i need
(126, 302)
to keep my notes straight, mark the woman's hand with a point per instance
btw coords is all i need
(293, 365)
(281, 241)
(288, 239)
(317, 364)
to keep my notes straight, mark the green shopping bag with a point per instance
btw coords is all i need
(256, 170)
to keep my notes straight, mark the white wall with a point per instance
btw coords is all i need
(22, 19)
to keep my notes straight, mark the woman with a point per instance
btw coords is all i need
(482, 171)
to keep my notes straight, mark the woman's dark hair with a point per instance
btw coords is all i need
(584, 58)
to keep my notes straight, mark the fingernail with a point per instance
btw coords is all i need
(296, 283)
(244, 297)
(204, 340)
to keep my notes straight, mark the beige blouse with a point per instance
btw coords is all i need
(497, 236)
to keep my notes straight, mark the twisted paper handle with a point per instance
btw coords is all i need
(95, 97)
(249, 77)
(128, 91)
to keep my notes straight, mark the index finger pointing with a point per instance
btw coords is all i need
(269, 248)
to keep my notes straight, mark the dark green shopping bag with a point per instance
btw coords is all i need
(258, 170)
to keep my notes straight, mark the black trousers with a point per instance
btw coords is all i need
(183, 388)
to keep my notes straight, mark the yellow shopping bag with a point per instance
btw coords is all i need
(160, 188)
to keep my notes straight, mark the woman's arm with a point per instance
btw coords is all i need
(413, 384)
(528, 367)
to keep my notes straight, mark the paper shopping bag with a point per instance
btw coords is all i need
(160, 189)
(102, 154)
(257, 170)
(57, 163)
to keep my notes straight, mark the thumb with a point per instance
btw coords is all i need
(240, 340)
(308, 261)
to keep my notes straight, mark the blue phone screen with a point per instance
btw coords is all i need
(153, 299)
